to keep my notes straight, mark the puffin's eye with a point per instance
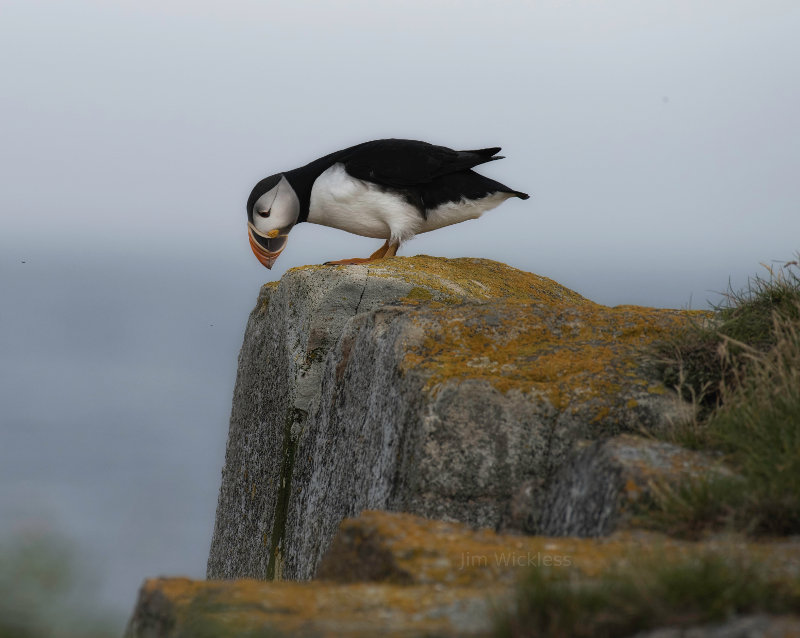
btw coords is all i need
(263, 213)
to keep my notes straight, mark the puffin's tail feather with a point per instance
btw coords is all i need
(486, 152)
(481, 155)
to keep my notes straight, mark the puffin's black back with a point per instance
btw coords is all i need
(426, 175)
(410, 162)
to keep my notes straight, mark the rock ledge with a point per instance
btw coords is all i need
(434, 386)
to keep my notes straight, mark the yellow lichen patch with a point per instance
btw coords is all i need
(264, 294)
(472, 278)
(632, 489)
(233, 608)
(451, 553)
(464, 279)
(556, 348)
(418, 294)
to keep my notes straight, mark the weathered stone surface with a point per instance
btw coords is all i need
(390, 574)
(181, 608)
(419, 384)
(404, 548)
(598, 488)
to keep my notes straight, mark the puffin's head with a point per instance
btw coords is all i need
(272, 209)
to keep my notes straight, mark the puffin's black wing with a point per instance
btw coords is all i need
(403, 163)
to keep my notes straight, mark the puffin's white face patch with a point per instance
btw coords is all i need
(276, 210)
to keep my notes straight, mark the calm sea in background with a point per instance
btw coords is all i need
(658, 141)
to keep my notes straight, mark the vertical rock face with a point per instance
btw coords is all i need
(433, 386)
(281, 362)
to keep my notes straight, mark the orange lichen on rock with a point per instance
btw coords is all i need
(561, 348)
(421, 551)
(454, 577)
(470, 278)
(180, 607)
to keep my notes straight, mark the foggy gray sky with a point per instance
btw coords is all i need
(659, 141)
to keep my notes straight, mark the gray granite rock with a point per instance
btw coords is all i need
(599, 486)
(432, 386)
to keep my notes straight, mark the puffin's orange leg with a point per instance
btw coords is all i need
(386, 250)
(383, 251)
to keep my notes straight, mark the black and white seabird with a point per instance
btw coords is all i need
(388, 189)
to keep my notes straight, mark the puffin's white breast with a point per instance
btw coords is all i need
(360, 207)
(363, 208)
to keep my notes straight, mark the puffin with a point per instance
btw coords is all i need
(390, 189)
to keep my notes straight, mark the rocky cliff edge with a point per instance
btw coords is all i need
(456, 389)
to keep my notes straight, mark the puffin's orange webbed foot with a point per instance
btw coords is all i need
(387, 250)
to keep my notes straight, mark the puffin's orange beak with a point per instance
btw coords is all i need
(266, 249)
